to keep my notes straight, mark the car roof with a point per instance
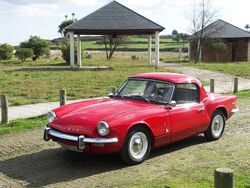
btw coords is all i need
(169, 77)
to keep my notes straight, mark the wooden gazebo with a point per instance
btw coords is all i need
(114, 19)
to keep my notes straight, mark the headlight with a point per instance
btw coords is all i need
(51, 116)
(103, 128)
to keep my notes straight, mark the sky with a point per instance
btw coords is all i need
(20, 19)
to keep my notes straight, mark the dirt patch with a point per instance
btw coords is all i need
(27, 161)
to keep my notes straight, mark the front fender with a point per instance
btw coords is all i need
(155, 119)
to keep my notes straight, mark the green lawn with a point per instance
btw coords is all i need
(24, 87)
(241, 69)
(133, 42)
(23, 124)
(93, 45)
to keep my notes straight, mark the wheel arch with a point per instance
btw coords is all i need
(223, 109)
(147, 127)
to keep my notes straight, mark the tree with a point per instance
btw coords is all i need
(181, 38)
(174, 32)
(39, 46)
(111, 43)
(24, 53)
(66, 23)
(247, 27)
(66, 52)
(201, 16)
(6, 51)
(63, 25)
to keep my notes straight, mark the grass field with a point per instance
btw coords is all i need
(93, 45)
(133, 42)
(22, 124)
(241, 69)
(24, 87)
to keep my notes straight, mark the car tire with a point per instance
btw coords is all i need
(137, 146)
(216, 126)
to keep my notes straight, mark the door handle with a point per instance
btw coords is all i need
(201, 109)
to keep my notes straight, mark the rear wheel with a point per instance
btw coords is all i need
(137, 146)
(216, 127)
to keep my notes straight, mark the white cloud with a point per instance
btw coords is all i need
(34, 9)
(27, 2)
(83, 2)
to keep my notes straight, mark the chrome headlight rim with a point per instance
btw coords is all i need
(51, 116)
(103, 128)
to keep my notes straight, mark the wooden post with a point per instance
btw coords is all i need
(235, 84)
(113, 90)
(223, 177)
(63, 97)
(4, 109)
(212, 85)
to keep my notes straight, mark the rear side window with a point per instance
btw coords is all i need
(186, 93)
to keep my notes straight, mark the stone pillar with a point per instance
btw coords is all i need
(79, 51)
(71, 42)
(157, 49)
(248, 54)
(150, 49)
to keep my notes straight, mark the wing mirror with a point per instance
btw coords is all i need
(111, 95)
(113, 92)
(170, 105)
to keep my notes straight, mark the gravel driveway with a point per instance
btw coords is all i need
(223, 82)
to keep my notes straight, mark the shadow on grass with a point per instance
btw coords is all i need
(59, 165)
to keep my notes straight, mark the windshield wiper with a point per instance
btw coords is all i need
(139, 96)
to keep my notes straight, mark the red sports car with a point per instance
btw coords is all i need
(150, 110)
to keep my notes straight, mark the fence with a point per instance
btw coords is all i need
(63, 98)
(235, 85)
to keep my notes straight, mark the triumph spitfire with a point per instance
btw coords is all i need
(150, 110)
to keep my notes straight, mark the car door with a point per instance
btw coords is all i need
(189, 116)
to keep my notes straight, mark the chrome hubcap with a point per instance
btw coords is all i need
(217, 125)
(138, 145)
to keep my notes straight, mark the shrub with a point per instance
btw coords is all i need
(6, 51)
(88, 55)
(66, 52)
(24, 53)
(39, 46)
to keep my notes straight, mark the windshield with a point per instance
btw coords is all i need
(148, 90)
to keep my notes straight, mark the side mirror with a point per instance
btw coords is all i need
(170, 105)
(111, 95)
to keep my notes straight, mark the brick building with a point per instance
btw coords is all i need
(222, 42)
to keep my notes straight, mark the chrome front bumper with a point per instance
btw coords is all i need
(81, 140)
(235, 110)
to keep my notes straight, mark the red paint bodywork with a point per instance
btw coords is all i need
(166, 125)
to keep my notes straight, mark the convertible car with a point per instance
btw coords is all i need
(150, 110)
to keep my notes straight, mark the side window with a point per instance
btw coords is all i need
(186, 93)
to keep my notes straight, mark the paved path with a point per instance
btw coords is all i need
(223, 82)
(58, 68)
(33, 110)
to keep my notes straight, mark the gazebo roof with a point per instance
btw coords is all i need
(114, 19)
(222, 30)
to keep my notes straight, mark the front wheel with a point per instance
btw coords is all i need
(216, 127)
(137, 146)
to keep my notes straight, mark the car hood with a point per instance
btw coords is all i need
(88, 116)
